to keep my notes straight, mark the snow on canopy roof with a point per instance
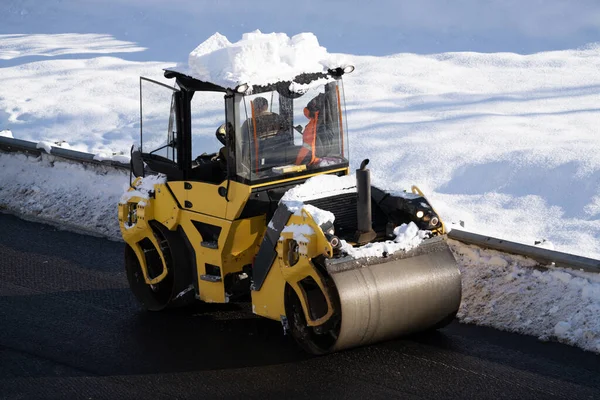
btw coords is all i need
(257, 59)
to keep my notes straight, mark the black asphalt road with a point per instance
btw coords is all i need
(70, 329)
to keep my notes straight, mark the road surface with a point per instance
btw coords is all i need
(70, 329)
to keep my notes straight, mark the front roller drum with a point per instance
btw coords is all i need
(397, 298)
(403, 294)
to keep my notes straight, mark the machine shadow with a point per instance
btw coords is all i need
(211, 336)
(103, 332)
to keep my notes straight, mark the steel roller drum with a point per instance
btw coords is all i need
(398, 295)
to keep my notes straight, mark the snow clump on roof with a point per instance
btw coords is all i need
(258, 58)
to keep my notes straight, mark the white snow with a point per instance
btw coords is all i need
(500, 141)
(122, 158)
(70, 195)
(143, 188)
(318, 187)
(299, 232)
(408, 236)
(6, 133)
(46, 146)
(319, 216)
(91, 103)
(62, 144)
(258, 59)
(21, 45)
(505, 292)
(546, 244)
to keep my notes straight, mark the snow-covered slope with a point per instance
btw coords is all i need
(504, 142)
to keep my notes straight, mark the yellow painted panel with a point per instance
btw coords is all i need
(269, 302)
(238, 196)
(245, 236)
(204, 198)
(165, 207)
(212, 292)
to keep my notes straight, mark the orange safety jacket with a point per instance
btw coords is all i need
(309, 138)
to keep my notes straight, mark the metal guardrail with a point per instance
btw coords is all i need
(541, 255)
(24, 146)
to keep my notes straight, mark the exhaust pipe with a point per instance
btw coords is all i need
(364, 232)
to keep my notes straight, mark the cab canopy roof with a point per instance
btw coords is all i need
(299, 82)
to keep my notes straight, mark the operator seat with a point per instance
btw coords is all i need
(211, 168)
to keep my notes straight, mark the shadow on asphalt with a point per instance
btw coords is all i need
(103, 332)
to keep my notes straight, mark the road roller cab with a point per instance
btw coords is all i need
(273, 216)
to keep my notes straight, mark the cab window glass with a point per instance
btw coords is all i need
(207, 115)
(293, 133)
(158, 120)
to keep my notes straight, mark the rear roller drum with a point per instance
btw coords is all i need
(174, 290)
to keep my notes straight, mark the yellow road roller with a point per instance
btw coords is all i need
(274, 216)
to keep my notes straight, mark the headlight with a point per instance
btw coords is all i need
(420, 214)
(328, 228)
(242, 88)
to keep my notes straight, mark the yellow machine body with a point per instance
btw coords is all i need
(215, 228)
(237, 243)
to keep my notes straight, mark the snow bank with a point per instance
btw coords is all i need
(505, 292)
(70, 195)
(258, 58)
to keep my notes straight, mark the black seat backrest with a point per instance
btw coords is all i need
(325, 135)
(268, 125)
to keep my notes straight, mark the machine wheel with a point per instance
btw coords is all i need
(168, 292)
(314, 340)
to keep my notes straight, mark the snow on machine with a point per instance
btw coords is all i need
(275, 217)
